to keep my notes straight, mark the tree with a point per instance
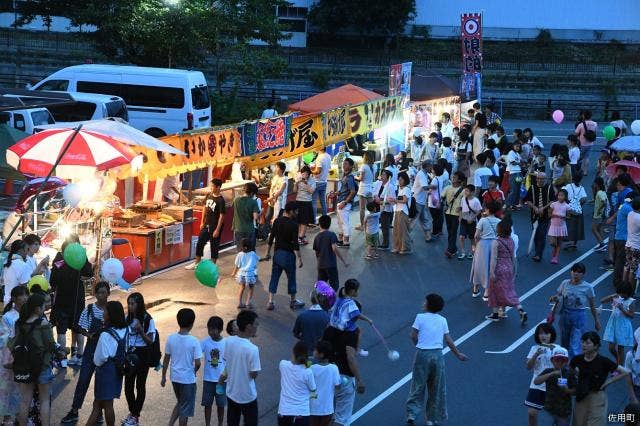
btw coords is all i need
(175, 32)
(364, 17)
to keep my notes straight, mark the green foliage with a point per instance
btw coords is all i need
(364, 17)
(320, 79)
(172, 33)
(544, 38)
(229, 108)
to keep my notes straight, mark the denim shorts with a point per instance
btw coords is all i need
(209, 394)
(186, 396)
(46, 376)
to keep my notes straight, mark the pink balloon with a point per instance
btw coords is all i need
(558, 116)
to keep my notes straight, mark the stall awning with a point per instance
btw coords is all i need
(334, 98)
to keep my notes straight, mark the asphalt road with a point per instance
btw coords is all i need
(488, 389)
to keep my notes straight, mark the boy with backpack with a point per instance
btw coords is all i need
(470, 209)
(183, 352)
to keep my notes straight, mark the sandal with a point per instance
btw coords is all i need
(523, 316)
(271, 306)
(242, 306)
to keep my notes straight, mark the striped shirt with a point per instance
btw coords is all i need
(85, 319)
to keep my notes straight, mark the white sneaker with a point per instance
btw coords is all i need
(64, 363)
(363, 353)
(191, 266)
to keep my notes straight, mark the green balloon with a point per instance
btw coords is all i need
(609, 132)
(207, 273)
(75, 256)
(307, 157)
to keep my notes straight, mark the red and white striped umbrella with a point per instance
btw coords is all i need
(35, 155)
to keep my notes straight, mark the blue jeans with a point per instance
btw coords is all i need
(572, 327)
(87, 368)
(514, 189)
(283, 260)
(321, 193)
(423, 217)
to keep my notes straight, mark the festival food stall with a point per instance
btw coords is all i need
(347, 115)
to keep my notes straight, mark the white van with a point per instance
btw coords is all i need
(89, 106)
(26, 120)
(160, 101)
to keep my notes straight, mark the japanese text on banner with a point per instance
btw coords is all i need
(305, 135)
(265, 135)
(471, 24)
(335, 125)
(375, 114)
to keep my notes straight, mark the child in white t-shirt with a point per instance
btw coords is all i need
(328, 380)
(213, 350)
(372, 230)
(297, 386)
(246, 272)
(183, 353)
(538, 360)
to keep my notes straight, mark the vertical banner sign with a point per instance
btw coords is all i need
(471, 36)
(400, 82)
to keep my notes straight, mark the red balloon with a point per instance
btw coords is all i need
(132, 269)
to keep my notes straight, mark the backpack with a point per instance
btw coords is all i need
(154, 349)
(126, 362)
(589, 135)
(28, 358)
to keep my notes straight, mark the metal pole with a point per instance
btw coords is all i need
(46, 179)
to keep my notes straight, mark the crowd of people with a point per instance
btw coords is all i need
(465, 186)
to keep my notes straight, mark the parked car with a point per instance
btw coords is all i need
(160, 101)
(26, 120)
(90, 106)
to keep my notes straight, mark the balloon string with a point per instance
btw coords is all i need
(384, 342)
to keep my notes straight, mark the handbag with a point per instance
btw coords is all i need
(572, 211)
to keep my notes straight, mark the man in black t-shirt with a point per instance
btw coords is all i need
(344, 344)
(212, 220)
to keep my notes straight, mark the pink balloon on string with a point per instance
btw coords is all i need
(558, 116)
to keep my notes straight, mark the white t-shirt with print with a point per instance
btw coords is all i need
(327, 377)
(242, 357)
(135, 340)
(575, 194)
(213, 358)
(513, 157)
(296, 385)
(184, 350)
(431, 330)
(542, 363)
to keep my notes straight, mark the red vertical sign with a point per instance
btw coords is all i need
(471, 37)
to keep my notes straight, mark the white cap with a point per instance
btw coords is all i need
(559, 351)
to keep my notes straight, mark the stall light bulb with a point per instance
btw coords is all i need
(65, 231)
(137, 162)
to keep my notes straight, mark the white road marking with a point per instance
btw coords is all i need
(529, 333)
(384, 395)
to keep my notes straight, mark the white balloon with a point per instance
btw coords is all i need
(635, 127)
(72, 194)
(112, 270)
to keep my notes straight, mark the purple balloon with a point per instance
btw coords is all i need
(327, 293)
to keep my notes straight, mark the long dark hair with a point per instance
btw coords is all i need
(141, 310)
(16, 246)
(350, 284)
(34, 301)
(15, 293)
(115, 312)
